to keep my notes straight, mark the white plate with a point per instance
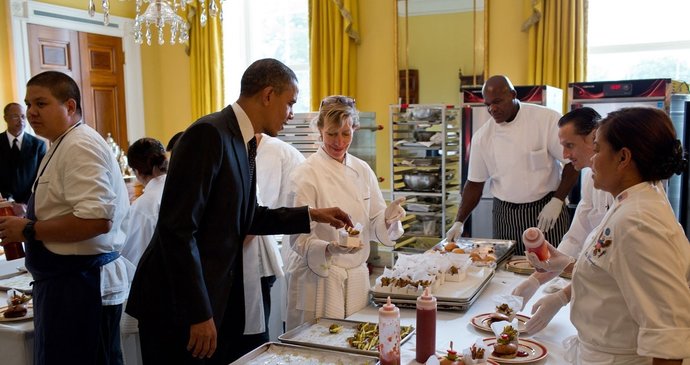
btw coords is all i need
(535, 351)
(29, 315)
(483, 322)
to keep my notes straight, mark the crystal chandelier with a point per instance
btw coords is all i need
(160, 13)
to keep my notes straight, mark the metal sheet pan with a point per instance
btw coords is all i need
(503, 249)
(315, 334)
(446, 303)
(274, 353)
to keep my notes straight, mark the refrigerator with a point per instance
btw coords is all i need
(669, 95)
(474, 115)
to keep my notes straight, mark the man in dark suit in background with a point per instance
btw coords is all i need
(20, 155)
(187, 292)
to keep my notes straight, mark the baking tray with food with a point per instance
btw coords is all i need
(282, 353)
(454, 296)
(340, 335)
(482, 250)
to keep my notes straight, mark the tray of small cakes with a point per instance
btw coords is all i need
(453, 279)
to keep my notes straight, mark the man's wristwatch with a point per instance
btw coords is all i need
(29, 232)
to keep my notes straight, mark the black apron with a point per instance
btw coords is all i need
(67, 300)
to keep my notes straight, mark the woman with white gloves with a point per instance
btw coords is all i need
(630, 289)
(576, 134)
(328, 279)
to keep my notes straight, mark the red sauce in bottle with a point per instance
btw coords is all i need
(13, 250)
(426, 327)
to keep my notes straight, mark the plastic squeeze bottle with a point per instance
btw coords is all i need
(426, 326)
(534, 242)
(389, 334)
(13, 250)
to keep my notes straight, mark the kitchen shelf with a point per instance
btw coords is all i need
(435, 205)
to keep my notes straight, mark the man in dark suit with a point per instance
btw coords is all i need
(20, 154)
(187, 292)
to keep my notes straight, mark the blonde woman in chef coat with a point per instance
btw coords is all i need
(328, 280)
(630, 294)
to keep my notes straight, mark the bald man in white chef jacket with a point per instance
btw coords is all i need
(518, 152)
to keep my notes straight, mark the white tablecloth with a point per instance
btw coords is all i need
(455, 326)
(17, 338)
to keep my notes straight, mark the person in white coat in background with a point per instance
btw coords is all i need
(576, 133)
(327, 279)
(262, 262)
(630, 289)
(148, 160)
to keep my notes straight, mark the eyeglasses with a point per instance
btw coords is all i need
(345, 100)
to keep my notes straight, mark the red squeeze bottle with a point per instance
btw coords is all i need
(426, 326)
(534, 242)
(13, 250)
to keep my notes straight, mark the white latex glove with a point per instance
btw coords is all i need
(394, 212)
(526, 289)
(555, 264)
(544, 310)
(334, 248)
(455, 232)
(549, 215)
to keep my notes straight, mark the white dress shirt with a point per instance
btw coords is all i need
(83, 178)
(520, 159)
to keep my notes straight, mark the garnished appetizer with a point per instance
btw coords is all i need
(451, 357)
(506, 344)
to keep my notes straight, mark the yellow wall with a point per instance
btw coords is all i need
(377, 75)
(439, 46)
(507, 43)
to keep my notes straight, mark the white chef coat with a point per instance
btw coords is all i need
(521, 159)
(630, 292)
(336, 286)
(83, 178)
(275, 161)
(143, 216)
(589, 212)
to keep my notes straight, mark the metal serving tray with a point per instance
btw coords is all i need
(273, 353)
(315, 334)
(503, 249)
(450, 296)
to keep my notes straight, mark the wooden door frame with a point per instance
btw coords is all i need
(25, 12)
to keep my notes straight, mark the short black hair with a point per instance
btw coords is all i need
(173, 141)
(8, 106)
(266, 72)
(61, 86)
(584, 119)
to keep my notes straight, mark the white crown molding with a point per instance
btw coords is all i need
(430, 7)
(24, 12)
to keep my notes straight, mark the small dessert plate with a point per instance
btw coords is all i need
(535, 351)
(483, 322)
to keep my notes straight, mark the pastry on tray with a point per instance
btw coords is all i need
(17, 304)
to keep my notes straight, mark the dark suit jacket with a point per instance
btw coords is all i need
(208, 207)
(16, 181)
